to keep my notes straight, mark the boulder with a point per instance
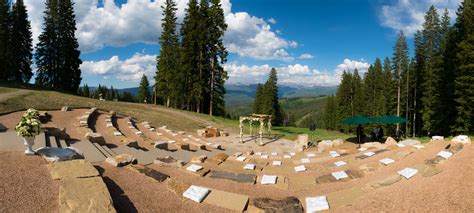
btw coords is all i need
(65, 108)
(437, 138)
(198, 159)
(324, 145)
(250, 152)
(72, 169)
(377, 145)
(112, 113)
(337, 142)
(390, 141)
(84, 195)
(409, 142)
(302, 139)
(121, 160)
(289, 205)
(95, 138)
(59, 133)
(464, 139)
(219, 158)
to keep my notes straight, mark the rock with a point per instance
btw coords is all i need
(287, 205)
(72, 169)
(216, 146)
(464, 139)
(324, 145)
(133, 144)
(337, 142)
(95, 138)
(390, 141)
(177, 186)
(112, 113)
(219, 158)
(121, 160)
(59, 133)
(237, 154)
(386, 181)
(54, 154)
(166, 161)
(65, 108)
(409, 142)
(376, 145)
(427, 170)
(437, 138)
(84, 195)
(237, 177)
(299, 148)
(250, 152)
(198, 159)
(3, 128)
(302, 139)
(201, 132)
(455, 147)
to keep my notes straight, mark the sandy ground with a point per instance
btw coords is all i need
(25, 184)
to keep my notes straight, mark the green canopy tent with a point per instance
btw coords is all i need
(390, 119)
(357, 120)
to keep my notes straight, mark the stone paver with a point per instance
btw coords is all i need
(72, 169)
(238, 177)
(84, 195)
(228, 200)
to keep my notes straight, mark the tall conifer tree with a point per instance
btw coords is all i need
(143, 95)
(4, 40)
(167, 83)
(400, 67)
(21, 43)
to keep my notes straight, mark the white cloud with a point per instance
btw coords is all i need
(306, 56)
(139, 21)
(408, 15)
(272, 21)
(295, 74)
(131, 69)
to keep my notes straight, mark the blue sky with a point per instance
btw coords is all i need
(310, 42)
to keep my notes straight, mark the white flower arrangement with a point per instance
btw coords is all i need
(29, 125)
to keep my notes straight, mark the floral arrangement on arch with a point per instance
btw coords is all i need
(29, 125)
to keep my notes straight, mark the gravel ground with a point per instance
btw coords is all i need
(25, 184)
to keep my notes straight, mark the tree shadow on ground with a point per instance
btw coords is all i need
(122, 202)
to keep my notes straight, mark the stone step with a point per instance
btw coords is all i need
(109, 150)
(63, 143)
(40, 141)
(52, 141)
(102, 150)
(91, 153)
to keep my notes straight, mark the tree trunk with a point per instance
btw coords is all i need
(407, 105)
(211, 98)
(398, 100)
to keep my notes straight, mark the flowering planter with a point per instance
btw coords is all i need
(29, 142)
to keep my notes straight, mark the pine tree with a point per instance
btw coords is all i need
(57, 54)
(358, 94)
(344, 97)
(444, 112)
(463, 84)
(218, 56)
(431, 39)
(86, 92)
(189, 55)
(70, 73)
(4, 40)
(143, 95)
(330, 113)
(21, 43)
(400, 67)
(389, 89)
(270, 101)
(257, 103)
(167, 84)
(418, 81)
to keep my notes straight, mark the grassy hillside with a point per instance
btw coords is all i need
(15, 99)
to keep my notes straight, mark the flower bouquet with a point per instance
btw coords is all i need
(29, 127)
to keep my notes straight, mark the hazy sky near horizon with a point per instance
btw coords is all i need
(310, 42)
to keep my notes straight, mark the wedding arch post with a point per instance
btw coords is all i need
(262, 119)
